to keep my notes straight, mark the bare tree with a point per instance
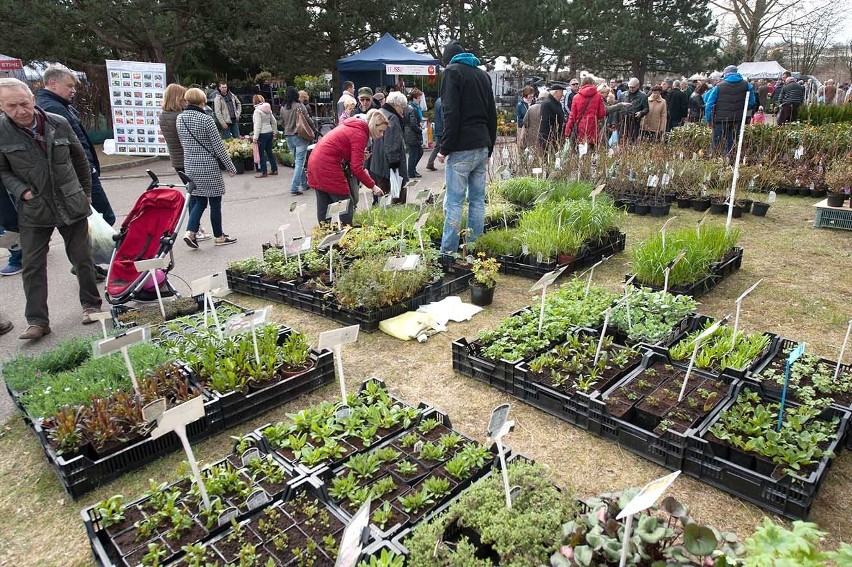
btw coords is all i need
(761, 19)
(807, 39)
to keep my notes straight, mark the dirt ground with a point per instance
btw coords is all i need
(807, 282)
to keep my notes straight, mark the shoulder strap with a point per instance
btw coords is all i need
(203, 146)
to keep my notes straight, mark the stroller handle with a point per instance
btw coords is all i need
(190, 184)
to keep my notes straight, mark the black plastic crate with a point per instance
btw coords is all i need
(676, 334)
(527, 266)
(698, 322)
(369, 319)
(667, 449)
(238, 283)
(790, 496)
(80, 474)
(237, 407)
(718, 272)
(452, 284)
(498, 374)
(106, 554)
(773, 391)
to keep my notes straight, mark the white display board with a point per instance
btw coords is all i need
(136, 96)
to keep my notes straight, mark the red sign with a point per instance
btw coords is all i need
(10, 64)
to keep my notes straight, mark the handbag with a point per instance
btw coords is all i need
(576, 126)
(354, 184)
(219, 161)
(304, 128)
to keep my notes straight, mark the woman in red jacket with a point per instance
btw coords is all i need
(343, 145)
(587, 108)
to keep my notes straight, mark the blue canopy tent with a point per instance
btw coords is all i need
(367, 68)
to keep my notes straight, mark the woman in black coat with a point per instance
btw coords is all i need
(389, 151)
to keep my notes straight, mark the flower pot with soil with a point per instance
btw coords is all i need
(484, 279)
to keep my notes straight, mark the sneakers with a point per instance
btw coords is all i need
(296, 194)
(100, 274)
(5, 327)
(34, 332)
(191, 240)
(273, 172)
(224, 240)
(87, 315)
(431, 168)
(201, 235)
(259, 175)
(11, 270)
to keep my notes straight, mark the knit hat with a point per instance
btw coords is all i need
(452, 49)
(365, 91)
(729, 70)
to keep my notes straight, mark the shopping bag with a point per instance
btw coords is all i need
(256, 151)
(395, 183)
(101, 238)
(613, 138)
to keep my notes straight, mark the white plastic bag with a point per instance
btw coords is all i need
(100, 237)
(395, 183)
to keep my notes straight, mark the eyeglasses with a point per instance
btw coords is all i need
(364, 98)
(575, 84)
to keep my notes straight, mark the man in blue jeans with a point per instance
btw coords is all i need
(723, 108)
(470, 132)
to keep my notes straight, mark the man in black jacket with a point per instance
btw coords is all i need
(791, 98)
(470, 132)
(552, 119)
(60, 85)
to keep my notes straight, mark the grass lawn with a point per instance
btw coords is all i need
(805, 295)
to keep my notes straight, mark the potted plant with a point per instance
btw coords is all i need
(239, 149)
(839, 180)
(484, 279)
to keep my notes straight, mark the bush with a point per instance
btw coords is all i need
(818, 114)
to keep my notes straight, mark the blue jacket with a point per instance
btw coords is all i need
(439, 118)
(712, 96)
(521, 111)
(52, 102)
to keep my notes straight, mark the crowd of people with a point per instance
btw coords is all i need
(591, 112)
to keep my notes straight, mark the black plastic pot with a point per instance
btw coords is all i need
(642, 208)
(818, 193)
(737, 212)
(660, 209)
(701, 204)
(836, 199)
(804, 191)
(718, 208)
(745, 204)
(759, 209)
(239, 164)
(481, 295)
(684, 202)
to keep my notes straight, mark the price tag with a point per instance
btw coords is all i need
(355, 536)
(152, 264)
(227, 515)
(179, 416)
(121, 341)
(299, 245)
(336, 337)
(773, 196)
(598, 190)
(649, 495)
(653, 180)
(525, 249)
(583, 149)
(420, 197)
(402, 263)
(666, 179)
(208, 284)
(337, 208)
(548, 278)
(537, 171)
(247, 321)
(332, 238)
(499, 416)
(154, 409)
(421, 222)
(297, 208)
(280, 236)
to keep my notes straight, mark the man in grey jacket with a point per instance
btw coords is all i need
(44, 167)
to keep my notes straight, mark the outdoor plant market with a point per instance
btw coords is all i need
(454, 303)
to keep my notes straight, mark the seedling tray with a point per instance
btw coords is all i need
(773, 390)
(632, 430)
(81, 473)
(677, 333)
(718, 272)
(237, 407)
(790, 496)
(698, 322)
(525, 265)
(497, 374)
(572, 408)
(107, 554)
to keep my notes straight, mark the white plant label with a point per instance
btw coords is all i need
(354, 537)
(151, 266)
(583, 149)
(102, 317)
(247, 321)
(334, 340)
(498, 427)
(739, 302)
(402, 263)
(121, 343)
(333, 238)
(646, 498)
(337, 208)
(698, 340)
(208, 284)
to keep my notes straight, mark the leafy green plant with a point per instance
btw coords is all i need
(772, 544)
(382, 515)
(385, 559)
(415, 501)
(111, 510)
(721, 349)
(437, 486)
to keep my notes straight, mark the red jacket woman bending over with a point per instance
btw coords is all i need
(347, 143)
(587, 107)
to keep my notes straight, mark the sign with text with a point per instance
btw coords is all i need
(136, 92)
(332, 239)
(355, 536)
(419, 70)
(208, 284)
(335, 337)
(247, 321)
(402, 263)
(104, 347)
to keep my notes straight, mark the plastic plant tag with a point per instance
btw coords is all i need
(151, 266)
(548, 278)
(499, 416)
(280, 236)
(247, 321)
(739, 302)
(421, 197)
(842, 350)
(355, 536)
(227, 515)
(402, 263)
(342, 412)
(418, 446)
(249, 455)
(583, 149)
(336, 337)
(257, 499)
(648, 496)
(537, 171)
(794, 356)
(525, 249)
(337, 208)
(697, 341)
(102, 317)
(332, 238)
(299, 245)
(154, 409)
(208, 284)
(121, 343)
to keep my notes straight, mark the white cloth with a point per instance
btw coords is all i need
(450, 309)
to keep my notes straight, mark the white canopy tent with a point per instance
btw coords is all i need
(760, 69)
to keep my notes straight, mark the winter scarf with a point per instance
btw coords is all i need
(466, 59)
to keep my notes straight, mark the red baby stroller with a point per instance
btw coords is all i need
(148, 232)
